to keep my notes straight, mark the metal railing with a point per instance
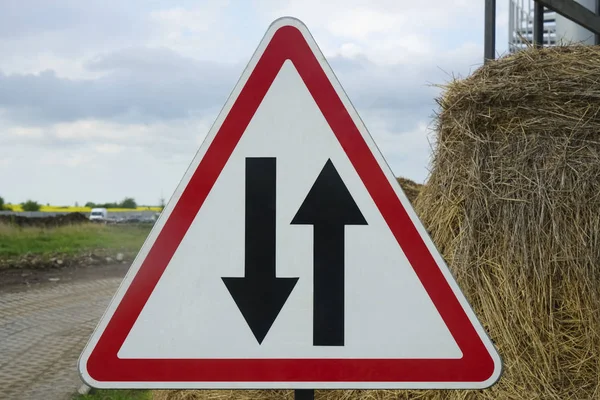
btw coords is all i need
(569, 9)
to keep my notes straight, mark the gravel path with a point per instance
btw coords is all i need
(43, 330)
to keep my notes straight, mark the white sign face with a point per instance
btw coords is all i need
(289, 257)
(381, 288)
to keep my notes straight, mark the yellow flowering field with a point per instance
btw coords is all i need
(17, 207)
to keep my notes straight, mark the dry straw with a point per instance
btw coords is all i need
(411, 189)
(513, 204)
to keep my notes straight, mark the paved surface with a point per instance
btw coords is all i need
(42, 333)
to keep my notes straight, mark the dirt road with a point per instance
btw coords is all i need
(44, 326)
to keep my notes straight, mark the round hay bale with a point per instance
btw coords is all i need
(513, 204)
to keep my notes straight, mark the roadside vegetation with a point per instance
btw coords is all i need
(51, 208)
(18, 241)
(127, 204)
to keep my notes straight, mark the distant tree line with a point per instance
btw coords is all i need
(127, 202)
(31, 205)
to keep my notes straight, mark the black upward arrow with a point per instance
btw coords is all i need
(260, 295)
(329, 206)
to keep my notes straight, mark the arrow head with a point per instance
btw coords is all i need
(329, 202)
(260, 301)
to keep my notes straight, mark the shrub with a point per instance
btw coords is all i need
(128, 202)
(31, 205)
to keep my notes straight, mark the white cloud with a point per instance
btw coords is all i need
(73, 67)
(350, 50)
(387, 32)
(101, 101)
(26, 132)
(109, 148)
(93, 159)
(360, 23)
(160, 138)
(411, 49)
(71, 160)
(206, 31)
(179, 21)
(138, 84)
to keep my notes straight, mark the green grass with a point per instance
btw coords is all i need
(72, 239)
(124, 394)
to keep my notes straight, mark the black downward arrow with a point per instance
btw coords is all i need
(260, 295)
(329, 206)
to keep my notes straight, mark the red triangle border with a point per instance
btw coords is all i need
(288, 43)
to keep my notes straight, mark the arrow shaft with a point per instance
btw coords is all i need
(328, 303)
(260, 295)
(260, 218)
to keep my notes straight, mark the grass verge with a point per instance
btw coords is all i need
(124, 394)
(70, 240)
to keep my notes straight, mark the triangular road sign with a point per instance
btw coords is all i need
(289, 257)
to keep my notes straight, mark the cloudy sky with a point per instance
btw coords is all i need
(100, 99)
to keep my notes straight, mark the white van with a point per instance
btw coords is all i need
(98, 214)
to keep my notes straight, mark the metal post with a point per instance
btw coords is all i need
(538, 24)
(511, 21)
(489, 42)
(597, 13)
(304, 394)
